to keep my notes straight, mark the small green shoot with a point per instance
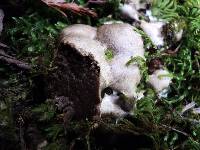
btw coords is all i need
(109, 54)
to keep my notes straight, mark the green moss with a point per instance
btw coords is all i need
(34, 36)
(109, 54)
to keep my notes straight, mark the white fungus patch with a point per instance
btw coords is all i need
(131, 8)
(125, 78)
(138, 4)
(153, 28)
(125, 43)
(108, 105)
(179, 35)
(160, 80)
(196, 110)
(112, 22)
(129, 11)
(139, 95)
(42, 145)
(178, 32)
(79, 30)
(150, 16)
(163, 93)
(188, 107)
(121, 38)
(154, 31)
(89, 47)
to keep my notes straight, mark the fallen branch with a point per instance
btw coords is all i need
(174, 129)
(13, 61)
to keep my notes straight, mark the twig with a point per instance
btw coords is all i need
(21, 133)
(96, 1)
(2, 53)
(194, 121)
(174, 129)
(172, 52)
(3, 45)
(13, 61)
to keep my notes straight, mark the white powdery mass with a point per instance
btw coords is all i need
(129, 11)
(150, 16)
(154, 31)
(196, 110)
(160, 80)
(125, 78)
(188, 107)
(108, 105)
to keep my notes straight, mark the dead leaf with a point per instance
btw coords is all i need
(61, 6)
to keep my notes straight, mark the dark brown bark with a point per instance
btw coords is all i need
(77, 78)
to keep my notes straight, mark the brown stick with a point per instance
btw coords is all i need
(174, 129)
(172, 52)
(97, 1)
(13, 61)
(61, 6)
(3, 45)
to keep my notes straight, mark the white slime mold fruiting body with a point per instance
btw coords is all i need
(125, 78)
(179, 35)
(138, 4)
(79, 30)
(150, 16)
(86, 47)
(154, 31)
(129, 11)
(125, 43)
(160, 80)
(108, 105)
(188, 107)
(121, 38)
